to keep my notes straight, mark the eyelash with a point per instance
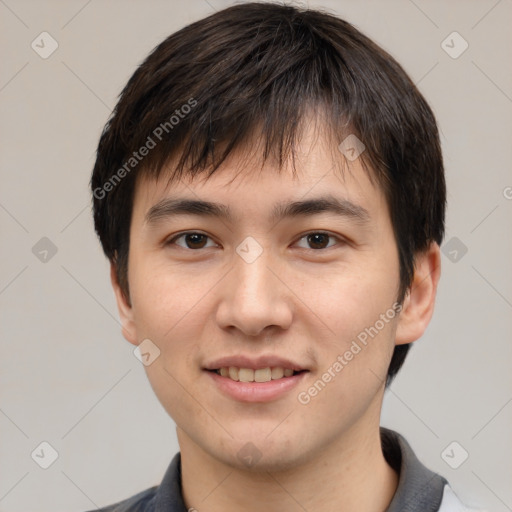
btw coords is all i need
(339, 240)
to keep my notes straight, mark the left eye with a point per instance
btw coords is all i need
(317, 241)
(193, 241)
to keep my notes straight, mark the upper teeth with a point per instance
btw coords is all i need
(250, 375)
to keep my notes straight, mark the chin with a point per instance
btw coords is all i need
(259, 453)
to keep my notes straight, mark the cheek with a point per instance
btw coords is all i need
(357, 316)
(168, 311)
(351, 374)
(350, 299)
(164, 299)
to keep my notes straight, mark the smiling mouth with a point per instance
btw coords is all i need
(261, 375)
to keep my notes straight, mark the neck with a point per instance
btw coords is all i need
(351, 474)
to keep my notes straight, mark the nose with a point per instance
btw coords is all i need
(254, 299)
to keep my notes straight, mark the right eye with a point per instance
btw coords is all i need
(192, 240)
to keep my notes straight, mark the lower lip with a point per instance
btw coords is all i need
(256, 391)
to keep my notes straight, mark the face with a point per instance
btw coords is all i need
(271, 300)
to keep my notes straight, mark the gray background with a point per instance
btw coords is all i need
(68, 377)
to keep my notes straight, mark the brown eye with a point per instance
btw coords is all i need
(195, 241)
(318, 241)
(192, 241)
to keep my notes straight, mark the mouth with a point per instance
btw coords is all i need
(248, 378)
(260, 375)
(261, 379)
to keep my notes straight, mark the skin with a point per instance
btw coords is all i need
(294, 301)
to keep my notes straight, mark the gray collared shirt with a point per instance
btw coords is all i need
(419, 489)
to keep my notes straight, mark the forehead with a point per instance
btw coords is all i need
(245, 180)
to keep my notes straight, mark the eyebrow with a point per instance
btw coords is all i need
(326, 204)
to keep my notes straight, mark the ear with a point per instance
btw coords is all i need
(418, 305)
(124, 307)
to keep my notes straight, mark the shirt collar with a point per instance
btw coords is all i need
(419, 489)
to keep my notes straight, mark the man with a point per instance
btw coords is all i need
(270, 194)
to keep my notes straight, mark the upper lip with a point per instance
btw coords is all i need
(254, 363)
